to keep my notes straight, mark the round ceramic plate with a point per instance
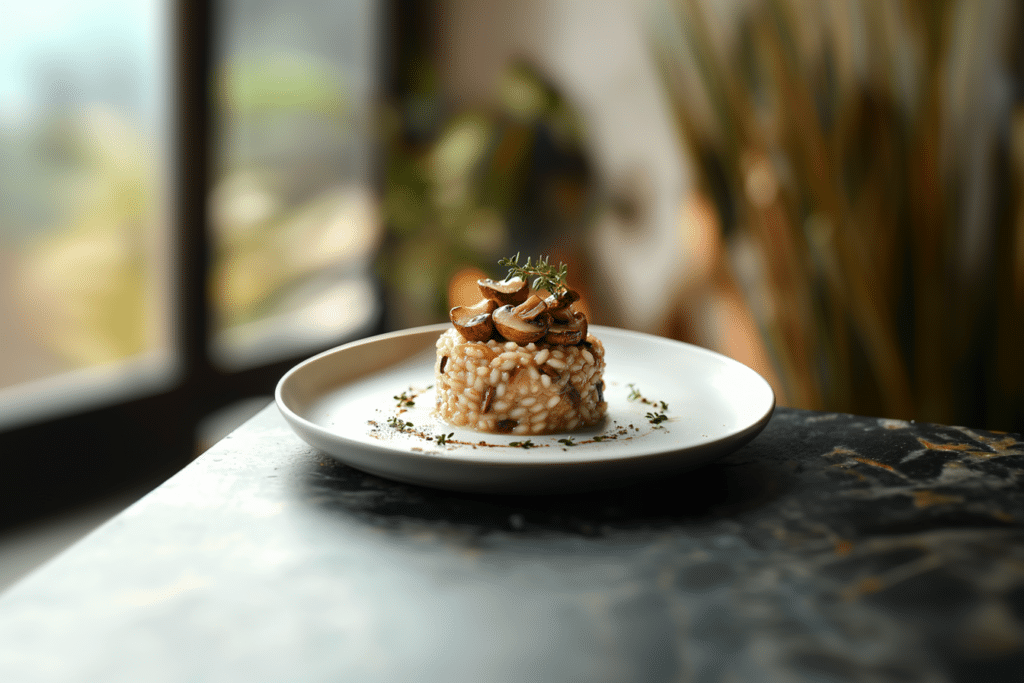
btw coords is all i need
(671, 407)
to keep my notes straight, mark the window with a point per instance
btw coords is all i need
(84, 142)
(187, 212)
(291, 211)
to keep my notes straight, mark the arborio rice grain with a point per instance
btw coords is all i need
(502, 387)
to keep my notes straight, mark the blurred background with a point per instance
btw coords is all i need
(195, 196)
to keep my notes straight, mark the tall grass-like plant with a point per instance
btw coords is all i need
(866, 152)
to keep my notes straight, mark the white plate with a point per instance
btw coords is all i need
(344, 402)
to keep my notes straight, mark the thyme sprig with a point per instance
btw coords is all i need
(656, 419)
(545, 276)
(401, 425)
(635, 395)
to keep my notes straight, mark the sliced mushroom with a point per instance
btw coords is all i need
(533, 309)
(474, 322)
(505, 292)
(546, 369)
(573, 393)
(525, 323)
(568, 327)
(561, 300)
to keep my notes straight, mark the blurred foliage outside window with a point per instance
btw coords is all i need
(292, 209)
(85, 231)
(865, 166)
(82, 206)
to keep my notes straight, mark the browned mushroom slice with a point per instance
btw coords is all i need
(474, 322)
(567, 327)
(505, 292)
(549, 371)
(562, 300)
(573, 393)
(524, 323)
(532, 309)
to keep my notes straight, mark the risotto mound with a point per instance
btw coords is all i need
(515, 363)
(502, 387)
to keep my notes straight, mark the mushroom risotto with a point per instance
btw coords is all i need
(515, 363)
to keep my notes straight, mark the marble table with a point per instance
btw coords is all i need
(830, 548)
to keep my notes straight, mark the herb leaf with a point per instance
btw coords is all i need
(545, 276)
(398, 424)
(656, 418)
(635, 395)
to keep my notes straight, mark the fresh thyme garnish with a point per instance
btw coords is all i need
(656, 419)
(404, 400)
(400, 425)
(600, 438)
(442, 439)
(568, 442)
(545, 276)
(523, 444)
(635, 395)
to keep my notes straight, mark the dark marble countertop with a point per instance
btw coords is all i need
(830, 548)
